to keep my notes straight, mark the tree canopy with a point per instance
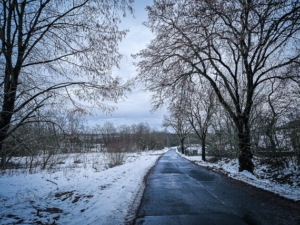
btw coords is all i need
(56, 55)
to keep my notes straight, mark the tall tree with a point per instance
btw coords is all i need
(57, 53)
(236, 45)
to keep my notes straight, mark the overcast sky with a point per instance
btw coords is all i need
(136, 108)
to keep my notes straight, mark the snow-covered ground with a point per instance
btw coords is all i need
(82, 191)
(284, 182)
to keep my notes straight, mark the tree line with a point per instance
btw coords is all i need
(240, 57)
(41, 143)
(199, 119)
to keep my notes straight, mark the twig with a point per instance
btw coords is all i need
(52, 181)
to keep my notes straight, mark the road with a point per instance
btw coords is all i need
(179, 192)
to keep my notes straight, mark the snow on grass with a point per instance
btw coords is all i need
(81, 191)
(264, 177)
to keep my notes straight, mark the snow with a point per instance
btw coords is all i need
(82, 191)
(264, 177)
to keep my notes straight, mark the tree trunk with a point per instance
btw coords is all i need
(203, 148)
(271, 133)
(182, 145)
(4, 127)
(9, 98)
(245, 155)
(5, 119)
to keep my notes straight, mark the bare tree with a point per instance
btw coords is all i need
(179, 123)
(272, 119)
(199, 110)
(142, 135)
(38, 142)
(108, 132)
(222, 141)
(57, 53)
(235, 45)
(126, 134)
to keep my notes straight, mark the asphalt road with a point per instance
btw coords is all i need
(179, 192)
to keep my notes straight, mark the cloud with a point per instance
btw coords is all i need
(136, 108)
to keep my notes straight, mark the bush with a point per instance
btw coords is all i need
(115, 153)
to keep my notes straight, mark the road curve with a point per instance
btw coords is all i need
(179, 192)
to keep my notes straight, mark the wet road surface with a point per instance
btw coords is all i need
(179, 192)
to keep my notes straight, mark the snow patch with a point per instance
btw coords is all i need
(248, 174)
(264, 178)
(81, 193)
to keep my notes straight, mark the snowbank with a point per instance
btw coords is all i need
(84, 192)
(262, 179)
